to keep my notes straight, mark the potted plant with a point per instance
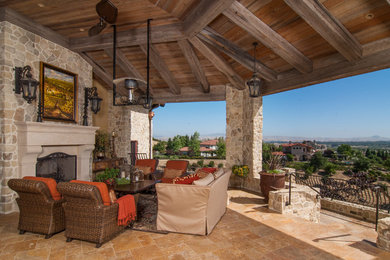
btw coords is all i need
(272, 177)
(101, 144)
(241, 171)
(109, 177)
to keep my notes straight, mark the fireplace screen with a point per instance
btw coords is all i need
(59, 166)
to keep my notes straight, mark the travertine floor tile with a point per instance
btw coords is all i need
(248, 230)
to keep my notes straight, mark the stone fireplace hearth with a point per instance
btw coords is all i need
(37, 140)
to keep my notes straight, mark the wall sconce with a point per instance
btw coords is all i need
(91, 95)
(24, 83)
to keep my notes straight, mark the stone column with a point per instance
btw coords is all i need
(244, 126)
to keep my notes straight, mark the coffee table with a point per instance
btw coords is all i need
(135, 187)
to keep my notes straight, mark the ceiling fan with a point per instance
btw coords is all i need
(107, 12)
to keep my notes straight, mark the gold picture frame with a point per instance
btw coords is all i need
(58, 93)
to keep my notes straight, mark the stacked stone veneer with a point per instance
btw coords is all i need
(130, 123)
(19, 47)
(383, 240)
(244, 133)
(304, 202)
(353, 210)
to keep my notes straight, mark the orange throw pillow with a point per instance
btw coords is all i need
(102, 188)
(171, 173)
(51, 184)
(145, 170)
(189, 179)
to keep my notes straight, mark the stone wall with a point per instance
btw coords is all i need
(244, 133)
(130, 123)
(352, 210)
(304, 202)
(19, 47)
(383, 240)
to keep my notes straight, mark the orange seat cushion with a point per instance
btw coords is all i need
(178, 165)
(102, 188)
(51, 184)
(146, 163)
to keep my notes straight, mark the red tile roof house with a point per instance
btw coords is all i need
(208, 148)
(301, 152)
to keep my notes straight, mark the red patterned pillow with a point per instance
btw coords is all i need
(189, 179)
(208, 169)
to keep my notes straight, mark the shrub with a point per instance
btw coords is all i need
(220, 165)
(200, 163)
(361, 165)
(290, 157)
(211, 164)
(330, 168)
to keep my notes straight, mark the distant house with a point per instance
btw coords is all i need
(184, 150)
(301, 152)
(208, 148)
(315, 145)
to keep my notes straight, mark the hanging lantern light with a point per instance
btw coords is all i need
(255, 83)
(25, 84)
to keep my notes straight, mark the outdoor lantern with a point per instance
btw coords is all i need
(25, 83)
(255, 83)
(92, 95)
(130, 85)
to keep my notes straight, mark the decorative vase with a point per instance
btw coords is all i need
(270, 182)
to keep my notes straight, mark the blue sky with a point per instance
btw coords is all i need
(357, 106)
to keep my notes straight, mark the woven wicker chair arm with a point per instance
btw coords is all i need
(30, 186)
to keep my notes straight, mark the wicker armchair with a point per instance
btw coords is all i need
(39, 213)
(86, 216)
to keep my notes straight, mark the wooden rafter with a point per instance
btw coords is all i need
(205, 12)
(195, 65)
(217, 93)
(377, 46)
(373, 62)
(160, 33)
(236, 53)
(241, 16)
(98, 70)
(7, 14)
(219, 63)
(127, 67)
(316, 15)
(162, 68)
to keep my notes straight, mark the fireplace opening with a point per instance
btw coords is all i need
(60, 166)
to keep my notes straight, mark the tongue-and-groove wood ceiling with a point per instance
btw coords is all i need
(199, 46)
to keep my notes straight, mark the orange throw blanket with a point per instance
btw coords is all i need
(127, 210)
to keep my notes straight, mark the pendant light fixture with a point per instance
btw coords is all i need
(255, 83)
(131, 84)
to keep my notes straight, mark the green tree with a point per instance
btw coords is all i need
(345, 149)
(160, 147)
(194, 144)
(361, 165)
(290, 157)
(387, 163)
(221, 148)
(330, 168)
(317, 161)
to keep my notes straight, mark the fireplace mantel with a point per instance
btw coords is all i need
(39, 139)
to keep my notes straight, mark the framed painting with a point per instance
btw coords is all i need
(58, 93)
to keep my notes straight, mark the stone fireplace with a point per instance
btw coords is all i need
(37, 140)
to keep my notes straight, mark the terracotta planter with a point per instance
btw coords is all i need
(270, 182)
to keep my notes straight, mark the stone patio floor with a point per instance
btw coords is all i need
(248, 230)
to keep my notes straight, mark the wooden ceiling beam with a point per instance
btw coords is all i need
(316, 15)
(195, 65)
(219, 62)
(241, 16)
(98, 70)
(204, 13)
(191, 94)
(127, 67)
(376, 46)
(7, 14)
(162, 68)
(159, 33)
(236, 53)
(373, 62)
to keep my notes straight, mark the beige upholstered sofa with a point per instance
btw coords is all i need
(192, 209)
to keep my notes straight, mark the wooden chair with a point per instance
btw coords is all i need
(39, 212)
(152, 163)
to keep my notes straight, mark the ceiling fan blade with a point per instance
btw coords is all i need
(96, 29)
(107, 11)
